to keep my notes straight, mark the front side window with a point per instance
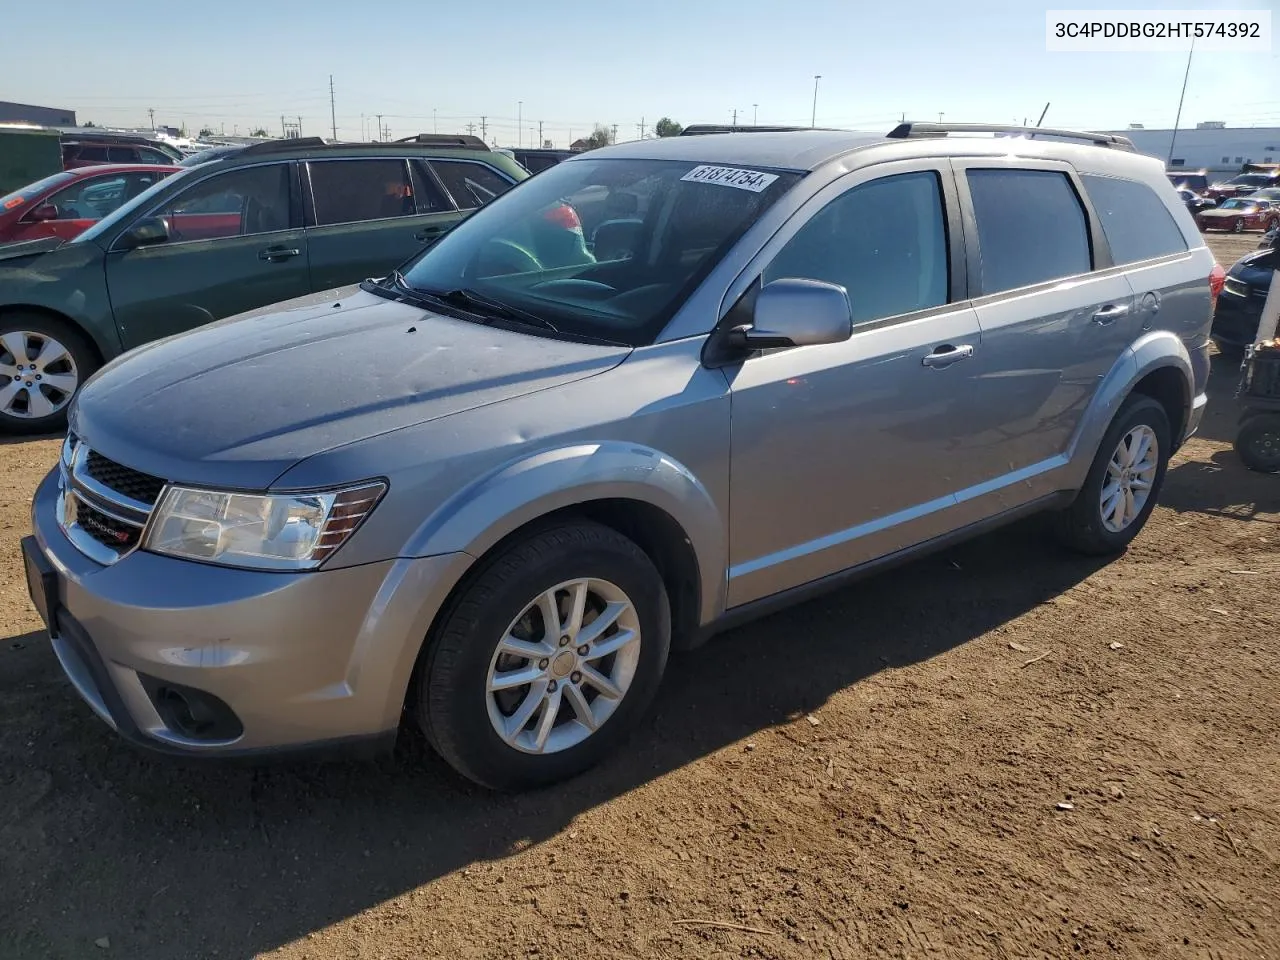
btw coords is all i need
(122, 154)
(602, 248)
(92, 154)
(1031, 227)
(1136, 223)
(94, 198)
(11, 201)
(237, 203)
(350, 191)
(885, 242)
(470, 184)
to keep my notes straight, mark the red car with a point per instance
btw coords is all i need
(1240, 214)
(64, 204)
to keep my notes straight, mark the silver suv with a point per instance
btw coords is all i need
(655, 390)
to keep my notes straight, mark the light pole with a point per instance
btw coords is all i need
(519, 123)
(755, 113)
(813, 118)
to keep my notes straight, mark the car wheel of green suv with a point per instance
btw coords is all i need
(42, 364)
(547, 658)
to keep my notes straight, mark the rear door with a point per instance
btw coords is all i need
(366, 216)
(236, 243)
(1055, 313)
(471, 183)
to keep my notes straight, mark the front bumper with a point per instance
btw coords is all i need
(300, 661)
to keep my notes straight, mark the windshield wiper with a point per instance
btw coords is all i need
(470, 299)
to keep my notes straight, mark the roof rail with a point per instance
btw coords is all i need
(464, 140)
(908, 130)
(698, 129)
(290, 143)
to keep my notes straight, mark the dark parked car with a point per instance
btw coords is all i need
(535, 161)
(85, 151)
(1239, 309)
(1244, 184)
(270, 222)
(1194, 202)
(1197, 183)
(70, 202)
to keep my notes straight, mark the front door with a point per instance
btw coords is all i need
(83, 203)
(235, 243)
(1055, 314)
(368, 216)
(846, 452)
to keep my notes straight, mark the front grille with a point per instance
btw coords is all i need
(132, 483)
(108, 531)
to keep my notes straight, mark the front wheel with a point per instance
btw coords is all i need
(1238, 227)
(547, 659)
(1123, 482)
(43, 362)
(1258, 443)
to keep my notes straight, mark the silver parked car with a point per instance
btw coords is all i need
(495, 488)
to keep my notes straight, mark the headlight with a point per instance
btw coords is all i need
(282, 531)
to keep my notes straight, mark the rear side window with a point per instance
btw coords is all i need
(471, 184)
(349, 191)
(1031, 227)
(1137, 224)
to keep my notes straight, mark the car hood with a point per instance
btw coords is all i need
(29, 248)
(1219, 212)
(238, 402)
(1254, 269)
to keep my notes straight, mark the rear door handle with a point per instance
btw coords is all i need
(430, 233)
(1110, 314)
(947, 354)
(275, 254)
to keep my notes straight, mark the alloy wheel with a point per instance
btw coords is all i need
(1131, 474)
(38, 375)
(563, 666)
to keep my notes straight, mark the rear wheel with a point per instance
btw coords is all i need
(547, 659)
(1238, 227)
(1258, 443)
(1123, 482)
(43, 362)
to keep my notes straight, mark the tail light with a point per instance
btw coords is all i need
(1217, 277)
(564, 216)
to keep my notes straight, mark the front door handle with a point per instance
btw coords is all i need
(1109, 314)
(947, 354)
(276, 254)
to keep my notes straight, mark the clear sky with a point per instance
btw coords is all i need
(573, 63)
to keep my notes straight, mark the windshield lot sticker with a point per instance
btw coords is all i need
(752, 180)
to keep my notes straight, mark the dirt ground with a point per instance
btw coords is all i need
(1002, 751)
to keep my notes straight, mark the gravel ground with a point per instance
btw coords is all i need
(1002, 751)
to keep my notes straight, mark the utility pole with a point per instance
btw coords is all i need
(484, 129)
(940, 116)
(755, 113)
(299, 127)
(735, 116)
(615, 134)
(1173, 138)
(520, 123)
(152, 112)
(333, 116)
(379, 116)
(640, 126)
(224, 129)
(813, 118)
(282, 130)
(539, 133)
(471, 129)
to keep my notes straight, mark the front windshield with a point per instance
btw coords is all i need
(1249, 180)
(599, 247)
(1236, 205)
(204, 156)
(126, 211)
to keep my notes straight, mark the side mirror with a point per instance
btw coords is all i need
(145, 233)
(43, 213)
(797, 313)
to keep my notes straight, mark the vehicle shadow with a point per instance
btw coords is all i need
(240, 860)
(1223, 487)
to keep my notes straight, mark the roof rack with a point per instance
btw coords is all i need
(698, 129)
(905, 131)
(465, 140)
(290, 143)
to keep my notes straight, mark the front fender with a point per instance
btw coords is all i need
(1150, 352)
(494, 506)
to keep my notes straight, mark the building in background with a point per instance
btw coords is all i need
(27, 113)
(1209, 146)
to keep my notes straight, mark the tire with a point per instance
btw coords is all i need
(1084, 526)
(1257, 444)
(459, 712)
(71, 363)
(1238, 227)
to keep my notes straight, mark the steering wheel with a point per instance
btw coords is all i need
(572, 286)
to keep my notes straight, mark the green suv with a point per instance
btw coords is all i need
(267, 223)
